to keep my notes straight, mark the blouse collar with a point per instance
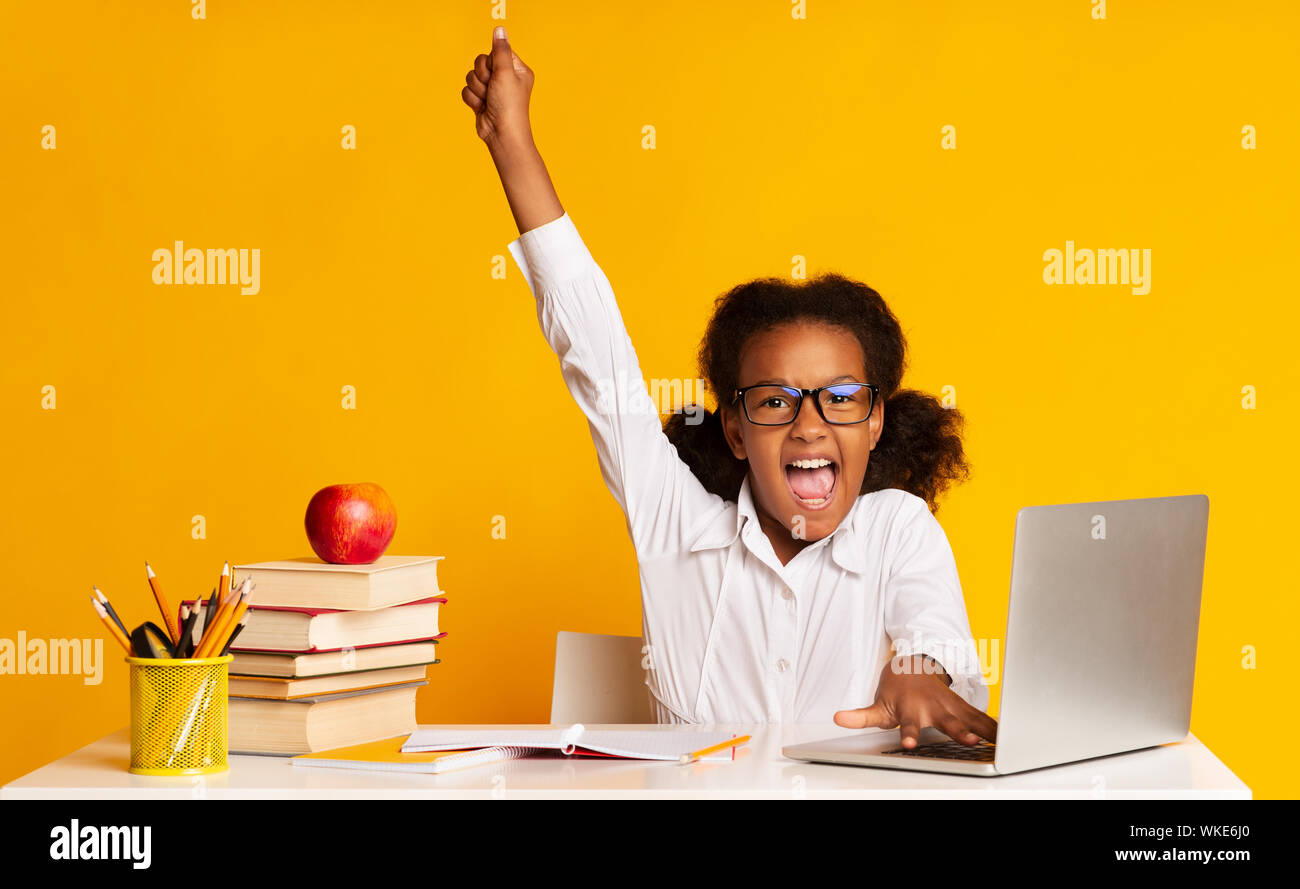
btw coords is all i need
(722, 528)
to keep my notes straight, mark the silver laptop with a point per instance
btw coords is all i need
(1100, 643)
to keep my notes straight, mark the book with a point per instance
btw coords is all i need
(311, 583)
(387, 756)
(287, 689)
(301, 629)
(660, 745)
(347, 660)
(307, 725)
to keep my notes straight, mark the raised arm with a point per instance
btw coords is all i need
(581, 320)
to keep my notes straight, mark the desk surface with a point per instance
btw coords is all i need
(1185, 770)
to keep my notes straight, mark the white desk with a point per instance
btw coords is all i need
(1186, 770)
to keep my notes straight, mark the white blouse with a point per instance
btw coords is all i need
(732, 635)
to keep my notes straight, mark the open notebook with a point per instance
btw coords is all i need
(662, 745)
(387, 756)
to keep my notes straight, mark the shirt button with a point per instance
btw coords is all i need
(782, 665)
(786, 594)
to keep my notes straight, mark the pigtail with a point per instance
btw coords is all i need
(703, 447)
(920, 449)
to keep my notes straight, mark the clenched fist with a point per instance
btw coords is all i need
(497, 89)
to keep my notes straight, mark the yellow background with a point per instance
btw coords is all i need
(776, 138)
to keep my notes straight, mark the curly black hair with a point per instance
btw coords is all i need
(920, 449)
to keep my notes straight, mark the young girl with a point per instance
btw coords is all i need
(780, 561)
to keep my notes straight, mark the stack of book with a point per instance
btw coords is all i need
(332, 655)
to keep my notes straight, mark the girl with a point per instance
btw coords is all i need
(780, 562)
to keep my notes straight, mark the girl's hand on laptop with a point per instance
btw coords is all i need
(497, 89)
(911, 696)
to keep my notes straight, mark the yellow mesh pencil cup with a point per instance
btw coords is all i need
(179, 715)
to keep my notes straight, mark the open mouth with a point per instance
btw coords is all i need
(812, 481)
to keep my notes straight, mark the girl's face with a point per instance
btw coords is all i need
(804, 355)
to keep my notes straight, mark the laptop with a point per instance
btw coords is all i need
(1100, 643)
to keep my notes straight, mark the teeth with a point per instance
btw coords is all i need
(811, 464)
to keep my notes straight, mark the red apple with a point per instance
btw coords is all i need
(351, 524)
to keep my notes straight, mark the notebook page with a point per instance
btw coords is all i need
(668, 745)
(658, 745)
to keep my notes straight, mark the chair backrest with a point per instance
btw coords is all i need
(598, 679)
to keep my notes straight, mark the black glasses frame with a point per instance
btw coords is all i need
(804, 393)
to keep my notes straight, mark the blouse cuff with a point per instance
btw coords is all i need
(970, 687)
(551, 254)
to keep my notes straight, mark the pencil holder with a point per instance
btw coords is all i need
(179, 715)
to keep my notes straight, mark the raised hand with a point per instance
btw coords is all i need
(497, 88)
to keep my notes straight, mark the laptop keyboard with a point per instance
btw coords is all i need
(981, 752)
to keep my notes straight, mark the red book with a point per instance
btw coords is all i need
(308, 630)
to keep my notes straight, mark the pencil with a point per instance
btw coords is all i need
(213, 621)
(169, 619)
(242, 623)
(210, 621)
(209, 611)
(213, 638)
(188, 617)
(223, 596)
(212, 644)
(112, 627)
(730, 742)
(201, 630)
(235, 617)
(103, 600)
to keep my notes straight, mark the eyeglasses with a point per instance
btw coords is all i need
(841, 404)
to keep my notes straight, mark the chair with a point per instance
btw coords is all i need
(598, 679)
